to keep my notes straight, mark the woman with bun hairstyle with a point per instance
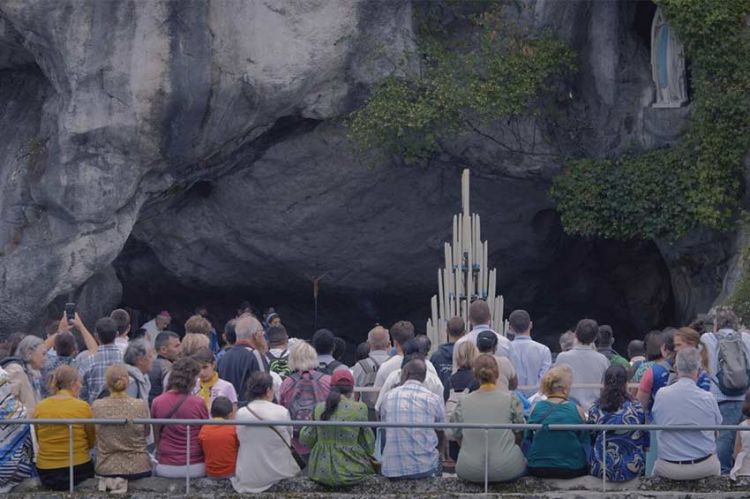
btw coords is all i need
(490, 404)
(53, 459)
(557, 454)
(121, 449)
(264, 456)
(339, 456)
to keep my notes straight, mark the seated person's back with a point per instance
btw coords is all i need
(557, 454)
(219, 443)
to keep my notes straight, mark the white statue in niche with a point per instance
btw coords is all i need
(667, 64)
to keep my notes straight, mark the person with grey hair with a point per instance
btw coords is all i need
(728, 353)
(567, 341)
(366, 370)
(686, 455)
(24, 370)
(244, 358)
(139, 359)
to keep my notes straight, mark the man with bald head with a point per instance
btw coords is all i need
(479, 316)
(365, 371)
(245, 357)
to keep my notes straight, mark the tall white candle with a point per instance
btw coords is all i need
(465, 191)
(454, 247)
(459, 248)
(478, 247)
(491, 295)
(485, 270)
(433, 305)
(466, 243)
(447, 251)
(441, 296)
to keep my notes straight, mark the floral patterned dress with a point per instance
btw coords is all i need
(626, 450)
(340, 455)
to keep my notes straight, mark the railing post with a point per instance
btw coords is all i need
(604, 461)
(70, 458)
(187, 462)
(486, 459)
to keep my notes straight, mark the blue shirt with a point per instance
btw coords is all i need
(684, 403)
(531, 360)
(409, 451)
(94, 367)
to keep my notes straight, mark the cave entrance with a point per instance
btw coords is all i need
(624, 284)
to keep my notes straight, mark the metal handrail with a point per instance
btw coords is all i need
(604, 428)
(631, 385)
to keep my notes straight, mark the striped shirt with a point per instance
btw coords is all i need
(410, 451)
(93, 368)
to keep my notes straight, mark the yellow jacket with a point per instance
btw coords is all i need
(53, 439)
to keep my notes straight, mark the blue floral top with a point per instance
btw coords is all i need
(626, 450)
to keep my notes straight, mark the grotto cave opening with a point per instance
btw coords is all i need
(624, 284)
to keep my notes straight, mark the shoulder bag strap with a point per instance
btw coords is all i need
(273, 428)
(176, 408)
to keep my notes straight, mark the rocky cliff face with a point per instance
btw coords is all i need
(207, 136)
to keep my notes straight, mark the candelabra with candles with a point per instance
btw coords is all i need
(466, 275)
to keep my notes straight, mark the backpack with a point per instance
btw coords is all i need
(328, 368)
(280, 364)
(306, 391)
(732, 376)
(370, 369)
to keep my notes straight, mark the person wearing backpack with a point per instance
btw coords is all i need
(324, 342)
(366, 370)
(729, 369)
(303, 389)
(278, 351)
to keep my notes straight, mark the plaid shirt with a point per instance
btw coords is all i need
(409, 451)
(93, 368)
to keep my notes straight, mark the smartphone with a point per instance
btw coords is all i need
(70, 312)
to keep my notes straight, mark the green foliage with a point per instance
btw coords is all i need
(667, 192)
(739, 301)
(499, 73)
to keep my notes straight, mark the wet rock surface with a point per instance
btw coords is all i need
(198, 150)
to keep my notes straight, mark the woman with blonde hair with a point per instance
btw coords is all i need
(488, 405)
(464, 378)
(120, 449)
(193, 342)
(557, 454)
(303, 389)
(53, 460)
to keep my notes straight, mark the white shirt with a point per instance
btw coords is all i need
(431, 382)
(683, 403)
(151, 331)
(386, 368)
(504, 347)
(588, 367)
(711, 342)
(531, 360)
(121, 342)
(263, 458)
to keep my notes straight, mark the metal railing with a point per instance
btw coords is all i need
(604, 428)
(631, 385)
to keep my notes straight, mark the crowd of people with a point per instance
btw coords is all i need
(254, 371)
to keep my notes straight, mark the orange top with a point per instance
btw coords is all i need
(220, 446)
